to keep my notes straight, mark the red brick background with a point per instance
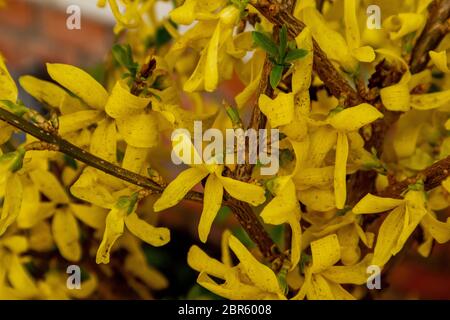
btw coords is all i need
(32, 34)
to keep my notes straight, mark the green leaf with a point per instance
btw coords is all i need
(276, 75)
(283, 42)
(295, 55)
(264, 42)
(124, 56)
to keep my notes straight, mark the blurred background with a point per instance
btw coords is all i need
(33, 32)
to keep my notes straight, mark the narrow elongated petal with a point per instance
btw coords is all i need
(92, 216)
(157, 237)
(80, 83)
(8, 89)
(43, 91)
(374, 204)
(247, 192)
(211, 64)
(211, 205)
(440, 231)
(49, 186)
(140, 131)
(12, 202)
(88, 188)
(66, 235)
(134, 158)
(20, 279)
(415, 211)
(114, 229)
(430, 101)
(104, 141)
(351, 24)
(285, 208)
(340, 170)
(178, 188)
(388, 236)
(355, 274)
(352, 119)
(78, 120)
(319, 289)
(261, 275)
(326, 252)
(200, 261)
(301, 78)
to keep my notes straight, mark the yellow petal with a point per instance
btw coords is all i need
(178, 188)
(17, 244)
(247, 192)
(322, 141)
(157, 237)
(104, 141)
(319, 289)
(140, 131)
(349, 241)
(20, 279)
(387, 236)
(49, 186)
(325, 253)
(318, 199)
(352, 119)
(261, 275)
(396, 97)
(211, 205)
(364, 54)
(430, 101)
(285, 208)
(279, 111)
(232, 289)
(8, 88)
(114, 229)
(351, 24)
(440, 60)
(134, 158)
(407, 133)
(355, 274)
(374, 204)
(301, 77)
(88, 188)
(200, 261)
(92, 216)
(437, 229)
(12, 202)
(122, 103)
(78, 120)
(340, 170)
(43, 91)
(80, 83)
(197, 79)
(66, 235)
(331, 41)
(211, 64)
(402, 24)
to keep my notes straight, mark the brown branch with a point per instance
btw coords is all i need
(279, 14)
(432, 177)
(435, 30)
(363, 182)
(254, 228)
(79, 154)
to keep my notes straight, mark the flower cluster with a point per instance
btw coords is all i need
(160, 79)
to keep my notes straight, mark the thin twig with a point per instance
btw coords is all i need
(82, 155)
(279, 14)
